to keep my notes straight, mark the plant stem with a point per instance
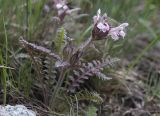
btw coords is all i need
(62, 75)
(4, 81)
(6, 63)
(86, 44)
(6, 42)
(28, 14)
(57, 88)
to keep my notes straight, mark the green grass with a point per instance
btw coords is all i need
(3, 79)
(17, 19)
(152, 85)
(4, 62)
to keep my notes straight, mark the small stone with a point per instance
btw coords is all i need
(18, 110)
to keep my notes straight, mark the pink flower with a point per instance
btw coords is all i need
(118, 32)
(62, 8)
(102, 28)
(97, 17)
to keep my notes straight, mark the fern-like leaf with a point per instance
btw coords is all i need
(59, 42)
(88, 70)
(49, 71)
(89, 96)
(38, 49)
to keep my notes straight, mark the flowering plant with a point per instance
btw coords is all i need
(69, 60)
(102, 28)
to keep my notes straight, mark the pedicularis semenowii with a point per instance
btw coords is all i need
(69, 61)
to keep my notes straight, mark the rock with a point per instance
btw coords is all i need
(18, 110)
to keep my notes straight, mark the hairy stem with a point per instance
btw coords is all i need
(86, 44)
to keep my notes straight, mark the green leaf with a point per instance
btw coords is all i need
(89, 96)
(59, 42)
(92, 111)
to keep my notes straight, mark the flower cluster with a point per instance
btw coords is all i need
(62, 8)
(102, 28)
